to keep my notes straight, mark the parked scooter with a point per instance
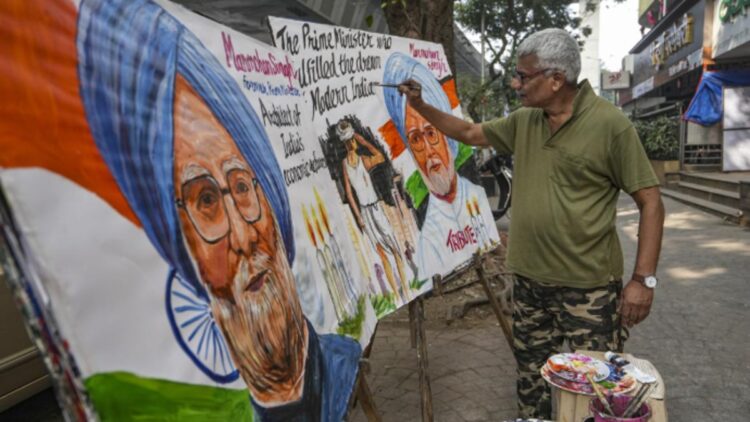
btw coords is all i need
(501, 168)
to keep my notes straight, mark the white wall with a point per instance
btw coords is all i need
(590, 67)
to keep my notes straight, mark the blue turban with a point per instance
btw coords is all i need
(401, 67)
(129, 52)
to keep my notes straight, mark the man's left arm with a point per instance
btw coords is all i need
(636, 297)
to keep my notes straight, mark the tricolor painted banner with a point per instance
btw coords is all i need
(191, 239)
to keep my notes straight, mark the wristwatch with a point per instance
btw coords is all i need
(649, 281)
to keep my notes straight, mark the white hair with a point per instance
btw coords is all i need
(555, 49)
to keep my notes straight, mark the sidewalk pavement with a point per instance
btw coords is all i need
(696, 335)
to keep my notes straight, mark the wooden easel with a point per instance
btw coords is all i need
(362, 393)
(419, 342)
(505, 325)
(418, 338)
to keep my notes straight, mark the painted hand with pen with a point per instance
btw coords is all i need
(413, 91)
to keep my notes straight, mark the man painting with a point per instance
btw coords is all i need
(196, 165)
(447, 236)
(573, 153)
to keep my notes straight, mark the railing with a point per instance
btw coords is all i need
(702, 155)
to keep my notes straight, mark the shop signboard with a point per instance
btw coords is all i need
(691, 62)
(730, 9)
(674, 38)
(731, 30)
(675, 41)
(615, 80)
(643, 87)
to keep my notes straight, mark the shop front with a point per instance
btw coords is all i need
(723, 98)
(668, 64)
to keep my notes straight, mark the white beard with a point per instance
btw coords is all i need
(440, 182)
(264, 329)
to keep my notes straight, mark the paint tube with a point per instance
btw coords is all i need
(619, 362)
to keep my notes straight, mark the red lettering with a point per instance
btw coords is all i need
(228, 48)
(457, 241)
(254, 63)
(448, 243)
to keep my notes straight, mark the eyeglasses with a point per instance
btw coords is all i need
(418, 139)
(203, 200)
(524, 78)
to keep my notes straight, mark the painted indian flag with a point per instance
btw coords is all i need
(138, 334)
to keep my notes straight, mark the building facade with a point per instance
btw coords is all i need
(730, 53)
(667, 65)
(684, 39)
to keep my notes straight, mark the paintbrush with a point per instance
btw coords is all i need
(383, 85)
(633, 400)
(417, 87)
(600, 395)
(640, 397)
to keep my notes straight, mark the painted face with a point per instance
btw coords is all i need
(430, 150)
(233, 238)
(532, 83)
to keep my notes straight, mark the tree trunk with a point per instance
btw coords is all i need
(428, 20)
(473, 106)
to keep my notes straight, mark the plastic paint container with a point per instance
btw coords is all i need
(619, 404)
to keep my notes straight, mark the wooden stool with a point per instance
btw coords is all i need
(571, 407)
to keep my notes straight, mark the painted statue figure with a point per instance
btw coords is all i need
(369, 210)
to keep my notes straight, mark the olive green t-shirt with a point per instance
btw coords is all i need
(565, 189)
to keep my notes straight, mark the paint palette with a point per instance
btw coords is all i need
(574, 367)
(620, 386)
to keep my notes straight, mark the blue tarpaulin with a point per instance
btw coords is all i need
(706, 108)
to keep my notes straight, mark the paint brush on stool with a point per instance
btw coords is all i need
(638, 400)
(600, 395)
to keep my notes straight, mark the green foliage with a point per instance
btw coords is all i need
(492, 102)
(507, 23)
(384, 4)
(352, 325)
(660, 137)
(383, 304)
(417, 284)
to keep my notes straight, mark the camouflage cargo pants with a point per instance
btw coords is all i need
(546, 316)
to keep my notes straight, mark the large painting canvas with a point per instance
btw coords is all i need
(383, 156)
(189, 237)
